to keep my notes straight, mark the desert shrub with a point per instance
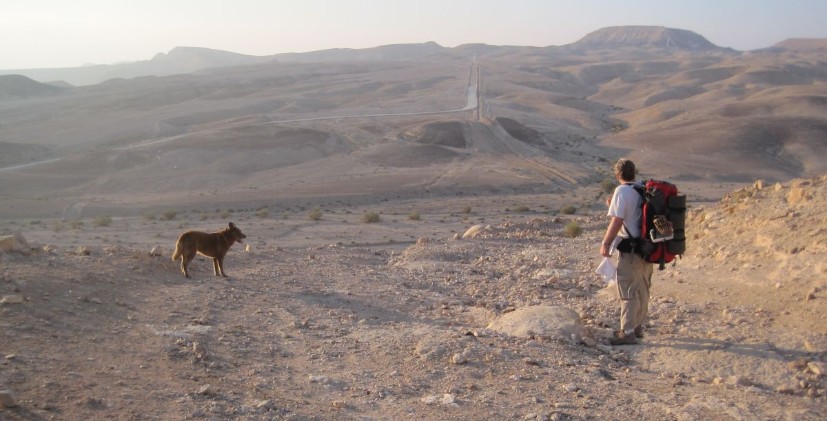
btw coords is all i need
(224, 213)
(170, 214)
(76, 224)
(370, 217)
(315, 214)
(572, 229)
(466, 209)
(262, 213)
(608, 185)
(414, 216)
(568, 210)
(204, 216)
(522, 208)
(102, 221)
(150, 216)
(34, 222)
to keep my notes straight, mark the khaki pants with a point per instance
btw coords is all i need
(634, 278)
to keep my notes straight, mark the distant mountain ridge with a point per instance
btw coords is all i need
(18, 86)
(391, 52)
(183, 60)
(645, 37)
(198, 58)
(179, 60)
(802, 44)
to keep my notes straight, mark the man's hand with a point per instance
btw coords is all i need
(604, 249)
(611, 233)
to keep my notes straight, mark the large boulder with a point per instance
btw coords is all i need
(553, 322)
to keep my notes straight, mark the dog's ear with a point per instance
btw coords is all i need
(232, 225)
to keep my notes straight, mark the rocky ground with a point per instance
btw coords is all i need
(411, 317)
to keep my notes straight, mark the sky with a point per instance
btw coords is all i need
(70, 33)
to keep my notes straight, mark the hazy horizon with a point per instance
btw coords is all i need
(52, 34)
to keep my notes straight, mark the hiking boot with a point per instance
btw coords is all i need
(639, 332)
(624, 340)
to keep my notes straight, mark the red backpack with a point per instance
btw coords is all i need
(662, 224)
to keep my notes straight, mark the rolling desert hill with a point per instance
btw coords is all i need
(419, 120)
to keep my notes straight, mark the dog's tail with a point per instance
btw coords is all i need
(177, 253)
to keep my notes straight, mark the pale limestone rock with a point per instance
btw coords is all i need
(554, 322)
(12, 299)
(207, 390)
(473, 231)
(758, 185)
(816, 367)
(264, 404)
(798, 196)
(816, 344)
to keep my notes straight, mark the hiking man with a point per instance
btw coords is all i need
(634, 274)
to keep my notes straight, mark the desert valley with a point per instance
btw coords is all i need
(423, 225)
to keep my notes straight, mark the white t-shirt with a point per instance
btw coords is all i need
(625, 204)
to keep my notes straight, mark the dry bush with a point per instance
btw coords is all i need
(371, 217)
(608, 185)
(102, 221)
(414, 216)
(315, 214)
(572, 229)
(568, 210)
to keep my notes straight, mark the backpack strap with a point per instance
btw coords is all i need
(641, 191)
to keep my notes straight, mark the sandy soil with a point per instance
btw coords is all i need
(342, 319)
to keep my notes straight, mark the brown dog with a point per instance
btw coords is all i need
(214, 245)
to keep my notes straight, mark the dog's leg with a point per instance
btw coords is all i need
(184, 266)
(221, 266)
(216, 266)
(186, 258)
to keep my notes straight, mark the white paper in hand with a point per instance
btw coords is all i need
(608, 270)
